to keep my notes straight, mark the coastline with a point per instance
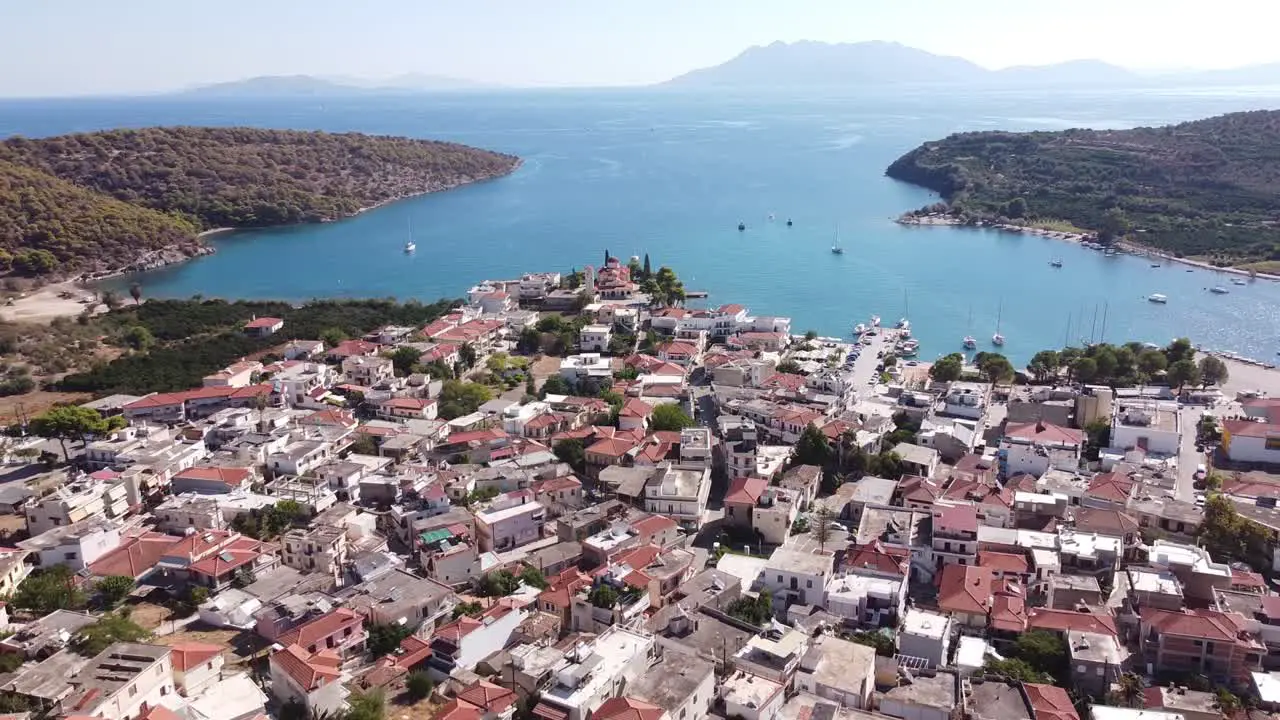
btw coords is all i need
(935, 220)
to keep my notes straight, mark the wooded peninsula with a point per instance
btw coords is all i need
(102, 201)
(1203, 190)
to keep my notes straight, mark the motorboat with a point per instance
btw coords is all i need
(859, 329)
(903, 324)
(969, 342)
(1056, 262)
(1155, 265)
(1218, 290)
(997, 339)
(410, 246)
(909, 348)
(1239, 281)
(875, 321)
(1158, 298)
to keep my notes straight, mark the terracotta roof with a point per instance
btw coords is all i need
(1249, 428)
(788, 381)
(458, 710)
(611, 448)
(305, 669)
(979, 491)
(1064, 620)
(487, 435)
(955, 518)
(568, 482)
(965, 589)
(187, 655)
(636, 408)
(875, 556)
(204, 393)
(348, 348)
(487, 696)
(976, 466)
(408, 403)
(1247, 580)
(746, 490)
(562, 588)
(543, 420)
(262, 323)
(919, 489)
(677, 348)
(229, 476)
(1045, 433)
(1111, 522)
(1002, 562)
(1009, 607)
(1251, 486)
(625, 708)
(199, 544)
(1111, 486)
(344, 418)
(158, 712)
(316, 630)
(237, 553)
(1050, 702)
(1202, 624)
(653, 524)
(135, 557)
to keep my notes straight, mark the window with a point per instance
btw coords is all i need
(133, 690)
(1081, 669)
(69, 556)
(1196, 643)
(808, 584)
(779, 578)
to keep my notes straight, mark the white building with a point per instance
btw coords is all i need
(798, 577)
(75, 546)
(1149, 425)
(925, 635)
(1251, 442)
(512, 520)
(679, 492)
(594, 338)
(1036, 447)
(576, 368)
(367, 370)
(965, 399)
(300, 457)
(592, 673)
(82, 499)
(121, 680)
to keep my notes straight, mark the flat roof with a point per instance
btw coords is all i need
(1151, 580)
(671, 682)
(925, 623)
(996, 700)
(596, 666)
(744, 567)
(938, 691)
(743, 688)
(842, 664)
(801, 563)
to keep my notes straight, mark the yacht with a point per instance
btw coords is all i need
(1218, 290)
(1156, 265)
(410, 246)
(742, 226)
(1158, 298)
(903, 324)
(875, 321)
(1056, 262)
(969, 342)
(1238, 281)
(835, 244)
(909, 348)
(998, 339)
(859, 329)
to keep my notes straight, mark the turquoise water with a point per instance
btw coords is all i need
(673, 174)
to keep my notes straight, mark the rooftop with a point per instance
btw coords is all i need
(747, 690)
(936, 691)
(672, 681)
(996, 700)
(839, 663)
(925, 624)
(800, 563)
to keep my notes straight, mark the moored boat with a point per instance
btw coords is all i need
(1158, 298)
(969, 342)
(1218, 290)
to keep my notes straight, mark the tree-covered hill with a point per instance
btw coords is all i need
(213, 177)
(48, 225)
(1203, 189)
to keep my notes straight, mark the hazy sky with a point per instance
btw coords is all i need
(61, 47)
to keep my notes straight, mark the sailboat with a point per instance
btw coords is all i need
(904, 324)
(998, 339)
(969, 342)
(835, 245)
(409, 245)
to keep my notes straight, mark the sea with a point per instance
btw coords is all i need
(672, 174)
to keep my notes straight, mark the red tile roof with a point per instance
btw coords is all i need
(404, 403)
(1009, 607)
(1044, 433)
(135, 557)
(955, 518)
(1249, 428)
(487, 696)
(567, 482)
(204, 393)
(746, 491)
(465, 625)
(1247, 580)
(677, 349)
(625, 708)
(1064, 620)
(1003, 562)
(308, 671)
(636, 408)
(1111, 486)
(653, 525)
(562, 588)
(262, 323)
(611, 448)
(481, 436)
(236, 554)
(1050, 702)
(1202, 624)
(348, 348)
(344, 418)
(876, 556)
(965, 589)
(188, 655)
(458, 710)
(919, 489)
(316, 630)
(230, 476)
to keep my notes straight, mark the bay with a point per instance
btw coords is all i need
(672, 175)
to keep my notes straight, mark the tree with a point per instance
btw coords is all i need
(1044, 651)
(1084, 369)
(1182, 373)
(1152, 362)
(499, 583)
(995, 368)
(71, 422)
(110, 628)
(533, 577)
(812, 448)
(603, 596)
(470, 609)
(1015, 669)
(467, 354)
(810, 335)
(368, 705)
(1228, 703)
(139, 338)
(947, 369)
(1230, 537)
(790, 367)
(571, 451)
(135, 292)
(294, 710)
(1114, 225)
(822, 519)
(332, 337)
(384, 639)
(111, 299)
(1015, 208)
(669, 416)
(404, 358)
(418, 685)
(1097, 436)
(1212, 371)
(556, 385)
(752, 610)
(1044, 365)
(887, 465)
(645, 272)
(1104, 359)
(529, 341)
(1131, 690)
(530, 389)
(1180, 349)
(458, 398)
(114, 589)
(48, 589)
(884, 644)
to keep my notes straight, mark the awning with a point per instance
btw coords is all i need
(549, 712)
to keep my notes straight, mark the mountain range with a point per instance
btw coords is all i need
(817, 64)
(313, 86)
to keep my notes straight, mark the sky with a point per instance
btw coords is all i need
(78, 47)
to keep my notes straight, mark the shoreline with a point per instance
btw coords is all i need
(91, 284)
(1130, 248)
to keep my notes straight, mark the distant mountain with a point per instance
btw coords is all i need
(311, 86)
(813, 64)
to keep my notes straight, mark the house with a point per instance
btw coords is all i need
(261, 327)
(1247, 441)
(917, 460)
(211, 480)
(576, 369)
(1206, 642)
(311, 679)
(401, 598)
(462, 643)
(46, 635)
(838, 670)
(136, 556)
(796, 577)
(119, 682)
(769, 511)
(303, 349)
(321, 549)
(1148, 425)
(196, 666)
(1036, 447)
(805, 481)
(510, 521)
(406, 408)
(75, 546)
(491, 701)
(193, 404)
(680, 492)
(559, 494)
(933, 696)
(955, 535)
(367, 370)
(683, 354)
(80, 499)
(235, 375)
(340, 631)
(634, 415)
(925, 635)
(966, 593)
(1097, 660)
(679, 686)
(594, 338)
(592, 674)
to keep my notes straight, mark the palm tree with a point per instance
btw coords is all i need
(1131, 690)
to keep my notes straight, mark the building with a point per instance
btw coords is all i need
(1206, 642)
(594, 338)
(929, 696)
(1148, 425)
(769, 511)
(468, 640)
(966, 594)
(78, 500)
(1034, 448)
(367, 370)
(925, 635)
(406, 408)
(313, 680)
(955, 535)
(119, 682)
(1247, 441)
(196, 666)
(680, 685)
(211, 480)
(510, 521)
(796, 577)
(838, 670)
(321, 549)
(401, 598)
(679, 492)
(591, 674)
(586, 366)
(75, 546)
(261, 327)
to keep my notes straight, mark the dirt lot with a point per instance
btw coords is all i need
(149, 615)
(12, 408)
(421, 710)
(240, 645)
(44, 305)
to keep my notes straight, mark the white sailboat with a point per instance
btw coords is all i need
(835, 245)
(410, 245)
(969, 342)
(998, 339)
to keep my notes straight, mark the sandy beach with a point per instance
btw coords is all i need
(44, 304)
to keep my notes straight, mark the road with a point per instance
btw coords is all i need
(864, 368)
(1188, 458)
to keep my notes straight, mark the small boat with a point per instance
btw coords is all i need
(835, 244)
(969, 342)
(742, 226)
(997, 339)
(875, 321)
(410, 246)
(1158, 298)
(1155, 264)
(1218, 290)
(1056, 262)
(859, 329)
(788, 222)
(1238, 281)
(770, 217)
(909, 348)
(903, 324)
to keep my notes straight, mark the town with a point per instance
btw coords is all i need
(575, 496)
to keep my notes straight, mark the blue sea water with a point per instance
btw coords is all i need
(672, 175)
